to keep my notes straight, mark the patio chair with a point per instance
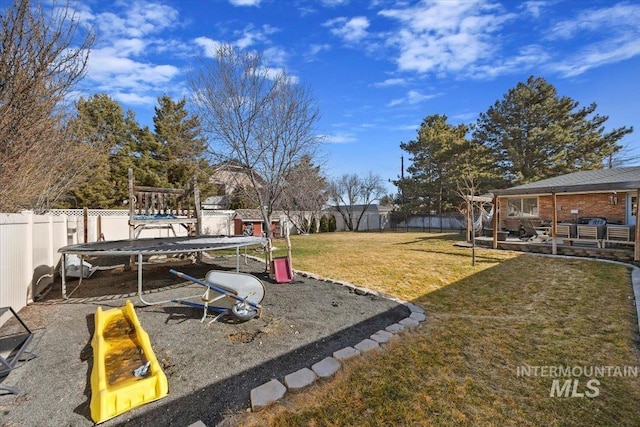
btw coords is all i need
(531, 233)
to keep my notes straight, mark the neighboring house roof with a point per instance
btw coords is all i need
(233, 175)
(616, 179)
(215, 202)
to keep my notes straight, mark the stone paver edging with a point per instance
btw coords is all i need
(272, 391)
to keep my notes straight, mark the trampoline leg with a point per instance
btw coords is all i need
(140, 273)
(64, 276)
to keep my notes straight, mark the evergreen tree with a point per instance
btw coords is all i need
(181, 146)
(535, 134)
(100, 122)
(435, 156)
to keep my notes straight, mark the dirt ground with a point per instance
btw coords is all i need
(211, 369)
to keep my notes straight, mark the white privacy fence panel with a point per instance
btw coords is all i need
(14, 278)
(113, 224)
(218, 222)
(28, 254)
(29, 244)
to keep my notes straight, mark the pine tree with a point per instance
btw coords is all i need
(100, 122)
(181, 146)
(535, 134)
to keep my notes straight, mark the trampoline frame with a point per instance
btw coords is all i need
(154, 246)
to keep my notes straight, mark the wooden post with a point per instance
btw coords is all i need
(132, 229)
(286, 234)
(495, 220)
(85, 216)
(554, 224)
(636, 251)
(469, 221)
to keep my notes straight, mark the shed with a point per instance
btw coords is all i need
(249, 222)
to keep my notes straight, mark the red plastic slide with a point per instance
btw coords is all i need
(282, 270)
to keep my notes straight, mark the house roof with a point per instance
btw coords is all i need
(616, 179)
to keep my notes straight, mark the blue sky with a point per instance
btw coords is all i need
(378, 67)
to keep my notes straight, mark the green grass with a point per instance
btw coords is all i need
(460, 367)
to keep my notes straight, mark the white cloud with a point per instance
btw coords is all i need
(390, 82)
(140, 19)
(209, 46)
(275, 56)
(109, 69)
(412, 97)
(465, 117)
(525, 59)
(128, 37)
(134, 98)
(245, 2)
(251, 36)
(597, 55)
(351, 30)
(616, 19)
(446, 37)
(333, 3)
(534, 7)
(341, 138)
(315, 49)
(613, 34)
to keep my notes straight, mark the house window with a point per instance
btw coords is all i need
(525, 206)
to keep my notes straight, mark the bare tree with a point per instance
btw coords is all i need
(39, 67)
(350, 193)
(257, 117)
(304, 196)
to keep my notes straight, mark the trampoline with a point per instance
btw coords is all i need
(156, 246)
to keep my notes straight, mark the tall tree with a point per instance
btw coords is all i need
(42, 57)
(258, 117)
(351, 195)
(536, 134)
(100, 122)
(435, 156)
(181, 139)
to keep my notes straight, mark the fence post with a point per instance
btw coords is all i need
(28, 253)
(50, 241)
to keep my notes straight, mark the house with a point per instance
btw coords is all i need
(227, 178)
(611, 194)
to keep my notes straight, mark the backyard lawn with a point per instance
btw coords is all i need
(516, 340)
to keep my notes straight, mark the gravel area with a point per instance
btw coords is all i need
(211, 369)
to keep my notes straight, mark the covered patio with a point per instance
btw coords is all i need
(589, 213)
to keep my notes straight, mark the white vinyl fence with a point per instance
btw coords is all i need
(28, 254)
(29, 244)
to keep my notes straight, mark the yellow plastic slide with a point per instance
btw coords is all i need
(126, 373)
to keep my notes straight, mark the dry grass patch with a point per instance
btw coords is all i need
(406, 265)
(461, 367)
